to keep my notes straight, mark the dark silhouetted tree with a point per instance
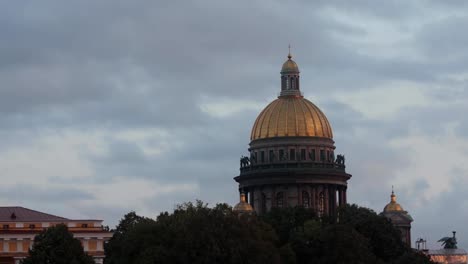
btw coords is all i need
(58, 246)
(195, 233)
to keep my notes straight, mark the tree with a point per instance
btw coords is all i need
(115, 248)
(385, 239)
(358, 235)
(57, 245)
(195, 233)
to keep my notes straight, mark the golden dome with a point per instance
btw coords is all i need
(290, 66)
(243, 206)
(393, 206)
(291, 116)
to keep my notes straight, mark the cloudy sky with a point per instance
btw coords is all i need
(112, 106)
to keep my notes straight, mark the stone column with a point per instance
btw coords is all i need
(340, 196)
(252, 197)
(326, 194)
(343, 195)
(313, 203)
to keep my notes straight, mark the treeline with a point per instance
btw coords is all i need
(196, 233)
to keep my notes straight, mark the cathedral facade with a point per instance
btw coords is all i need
(291, 159)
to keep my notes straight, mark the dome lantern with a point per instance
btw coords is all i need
(290, 78)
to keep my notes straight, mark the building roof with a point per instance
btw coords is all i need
(447, 251)
(289, 66)
(291, 117)
(393, 206)
(21, 214)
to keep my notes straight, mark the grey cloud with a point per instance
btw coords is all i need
(50, 194)
(113, 65)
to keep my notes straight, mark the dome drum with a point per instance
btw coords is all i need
(288, 176)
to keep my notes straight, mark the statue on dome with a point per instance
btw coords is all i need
(340, 159)
(244, 162)
(449, 242)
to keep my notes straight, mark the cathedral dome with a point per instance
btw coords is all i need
(393, 206)
(291, 116)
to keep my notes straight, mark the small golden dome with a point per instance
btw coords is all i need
(243, 206)
(291, 116)
(393, 206)
(290, 66)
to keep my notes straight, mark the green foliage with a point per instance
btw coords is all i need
(195, 233)
(385, 240)
(286, 220)
(359, 235)
(57, 245)
(118, 243)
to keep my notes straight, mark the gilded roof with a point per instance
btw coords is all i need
(243, 206)
(291, 116)
(393, 206)
(290, 66)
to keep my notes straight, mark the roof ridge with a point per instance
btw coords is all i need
(20, 211)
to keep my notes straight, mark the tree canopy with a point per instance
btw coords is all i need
(195, 233)
(57, 245)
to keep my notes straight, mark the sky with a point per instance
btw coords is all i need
(112, 106)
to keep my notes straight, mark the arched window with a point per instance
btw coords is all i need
(279, 200)
(305, 199)
(293, 84)
(321, 208)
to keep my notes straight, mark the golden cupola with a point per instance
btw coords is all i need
(291, 115)
(243, 206)
(393, 206)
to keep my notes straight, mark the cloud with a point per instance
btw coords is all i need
(116, 106)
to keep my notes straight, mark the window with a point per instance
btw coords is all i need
(262, 156)
(328, 155)
(32, 226)
(292, 154)
(321, 204)
(6, 226)
(271, 156)
(84, 225)
(281, 154)
(322, 155)
(279, 200)
(312, 154)
(303, 154)
(305, 199)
